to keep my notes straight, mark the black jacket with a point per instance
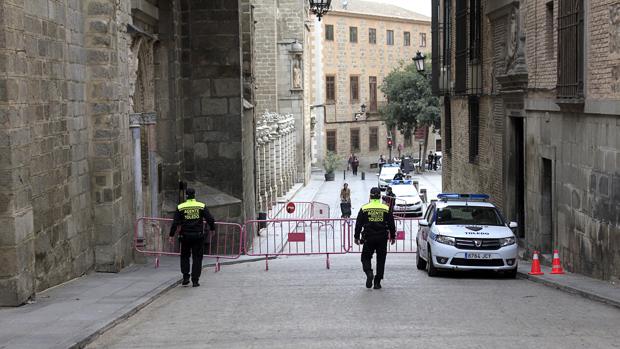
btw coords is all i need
(375, 220)
(190, 216)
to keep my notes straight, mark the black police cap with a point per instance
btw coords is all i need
(375, 192)
(190, 192)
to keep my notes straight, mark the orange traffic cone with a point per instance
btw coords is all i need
(535, 265)
(556, 264)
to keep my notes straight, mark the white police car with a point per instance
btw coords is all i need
(465, 232)
(388, 171)
(408, 200)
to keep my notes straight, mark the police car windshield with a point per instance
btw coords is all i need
(465, 215)
(404, 190)
(391, 171)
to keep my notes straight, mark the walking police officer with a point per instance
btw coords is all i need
(189, 221)
(375, 224)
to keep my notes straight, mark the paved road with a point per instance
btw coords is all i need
(300, 304)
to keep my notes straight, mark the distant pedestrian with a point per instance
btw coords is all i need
(345, 201)
(435, 161)
(381, 161)
(430, 161)
(189, 220)
(373, 228)
(350, 162)
(355, 164)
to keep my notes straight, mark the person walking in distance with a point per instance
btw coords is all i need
(189, 220)
(355, 164)
(345, 201)
(373, 228)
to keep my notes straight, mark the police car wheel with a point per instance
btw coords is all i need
(430, 268)
(420, 263)
(511, 274)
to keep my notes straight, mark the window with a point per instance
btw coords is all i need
(372, 88)
(390, 37)
(570, 49)
(549, 30)
(330, 88)
(372, 36)
(354, 85)
(353, 34)
(474, 128)
(422, 39)
(407, 38)
(331, 140)
(355, 140)
(373, 138)
(447, 32)
(447, 135)
(475, 26)
(465, 215)
(460, 83)
(329, 32)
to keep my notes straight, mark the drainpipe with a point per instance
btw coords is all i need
(150, 120)
(134, 126)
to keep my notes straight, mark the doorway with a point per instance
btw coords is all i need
(519, 174)
(546, 217)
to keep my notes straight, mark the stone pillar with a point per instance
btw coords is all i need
(274, 162)
(17, 255)
(107, 85)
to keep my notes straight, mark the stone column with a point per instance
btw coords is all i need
(17, 250)
(109, 158)
(274, 161)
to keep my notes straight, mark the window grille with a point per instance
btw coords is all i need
(390, 37)
(330, 88)
(406, 38)
(354, 83)
(353, 34)
(372, 36)
(355, 140)
(329, 32)
(331, 140)
(373, 138)
(570, 49)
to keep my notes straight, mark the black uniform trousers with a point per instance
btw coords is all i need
(192, 245)
(376, 244)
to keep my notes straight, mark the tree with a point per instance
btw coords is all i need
(411, 103)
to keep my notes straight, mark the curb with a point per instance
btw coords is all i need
(150, 299)
(570, 289)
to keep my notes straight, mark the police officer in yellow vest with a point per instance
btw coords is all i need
(189, 220)
(375, 224)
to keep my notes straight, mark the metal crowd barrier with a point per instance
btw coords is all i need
(294, 237)
(406, 232)
(301, 210)
(224, 243)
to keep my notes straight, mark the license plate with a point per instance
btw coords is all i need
(478, 256)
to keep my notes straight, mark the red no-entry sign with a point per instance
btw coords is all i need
(290, 207)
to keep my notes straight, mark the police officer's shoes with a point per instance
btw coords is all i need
(195, 284)
(369, 277)
(185, 282)
(377, 284)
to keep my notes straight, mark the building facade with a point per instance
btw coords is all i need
(280, 79)
(105, 107)
(531, 110)
(359, 43)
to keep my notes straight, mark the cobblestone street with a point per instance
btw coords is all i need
(299, 303)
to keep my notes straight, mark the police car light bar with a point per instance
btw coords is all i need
(401, 181)
(462, 197)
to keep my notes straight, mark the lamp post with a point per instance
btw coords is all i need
(320, 7)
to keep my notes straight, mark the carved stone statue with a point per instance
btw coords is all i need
(512, 40)
(297, 84)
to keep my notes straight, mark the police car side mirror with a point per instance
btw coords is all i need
(377, 174)
(513, 225)
(423, 223)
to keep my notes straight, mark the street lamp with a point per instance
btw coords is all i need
(419, 62)
(361, 113)
(320, 7)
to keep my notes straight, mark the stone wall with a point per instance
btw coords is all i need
(213, 127)
(73, 72)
